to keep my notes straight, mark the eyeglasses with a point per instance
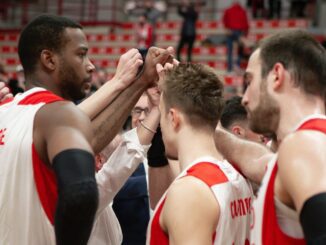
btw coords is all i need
(138, 111)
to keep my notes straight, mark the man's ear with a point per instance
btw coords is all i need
(49, 59)
(278, 73)
(174, 116)
(238, 131)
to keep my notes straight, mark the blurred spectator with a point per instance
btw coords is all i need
(14, 86)
(275, 7)
(152, 9)
(189, 13)
(257, 7)
(235, 20)
(297, 8)
(144, 37)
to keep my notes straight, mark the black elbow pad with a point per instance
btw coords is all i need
(77, 196)
(313, 219)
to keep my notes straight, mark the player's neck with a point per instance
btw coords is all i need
(194, 144)
(294, 111)
(42, 81)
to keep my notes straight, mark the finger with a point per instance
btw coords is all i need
(132, 52)
(135, 65)
(159, 68)
(5, 90)
(129, 54)
(2, 84)
(168, 66)
(8, 96)
(136, 57)
(175, 62)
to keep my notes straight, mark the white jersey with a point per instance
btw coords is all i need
(274, 222)
(234, 196)
(28, 191)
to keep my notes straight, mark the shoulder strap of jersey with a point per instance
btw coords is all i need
(37, 97)
(318, 124)
(208, 172)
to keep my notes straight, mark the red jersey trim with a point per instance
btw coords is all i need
(40, 97)
(317, 124)
(46, 185)
(208, 173)
(272, 233)
(158, 237)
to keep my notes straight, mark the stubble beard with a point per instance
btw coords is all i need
(264, 119)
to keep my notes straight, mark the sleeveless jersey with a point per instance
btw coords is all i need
(266, 229)
(234, 196)
(28, 192)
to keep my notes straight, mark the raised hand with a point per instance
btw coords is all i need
(161, 70)
(127, 68)
(4, 92)
(155, 56)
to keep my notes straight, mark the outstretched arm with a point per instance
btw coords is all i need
(128, 155)
(110, 120)
(249, 157)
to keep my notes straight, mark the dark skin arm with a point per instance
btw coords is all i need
(60, 126)
(110, 120)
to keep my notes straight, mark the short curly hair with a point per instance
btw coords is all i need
(44, 32)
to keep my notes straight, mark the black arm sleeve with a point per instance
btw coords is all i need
(77, 196)
(313, 219)
(156, 153)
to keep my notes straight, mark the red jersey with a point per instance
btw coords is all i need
(270, 212)
(233, 194)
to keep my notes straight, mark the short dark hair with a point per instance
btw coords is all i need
(301, 54)
(197, 91)
(233, 111)
(44, 32)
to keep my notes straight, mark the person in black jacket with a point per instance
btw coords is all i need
(188, 31)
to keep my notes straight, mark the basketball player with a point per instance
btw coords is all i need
(234, 119)
(209, 202)
(286, 96)
(47, 169)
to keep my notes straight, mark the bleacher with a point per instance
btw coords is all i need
(105, 48)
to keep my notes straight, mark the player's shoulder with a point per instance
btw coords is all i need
(61, 115)
(299, 141)
(189, 191)
(301, 147)
(61, 112)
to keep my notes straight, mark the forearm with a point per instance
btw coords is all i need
(121, 164)
(159, 180)
(109, 121)
(249, 157)
(97, 102)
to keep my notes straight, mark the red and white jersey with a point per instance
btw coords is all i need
(234, 196)
(274, 222)
(28, 191)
